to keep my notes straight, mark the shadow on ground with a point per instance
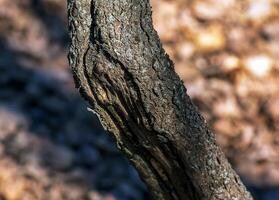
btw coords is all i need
(47, 133)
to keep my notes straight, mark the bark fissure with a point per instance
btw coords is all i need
(121, 69)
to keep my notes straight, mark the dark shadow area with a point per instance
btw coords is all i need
(48, 128)
(52, 17)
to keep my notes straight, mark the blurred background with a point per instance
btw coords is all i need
(51, 147)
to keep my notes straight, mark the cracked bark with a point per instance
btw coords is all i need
(121, 69)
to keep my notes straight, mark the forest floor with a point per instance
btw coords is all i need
(51, 147)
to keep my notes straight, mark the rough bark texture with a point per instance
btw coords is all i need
(122, 70)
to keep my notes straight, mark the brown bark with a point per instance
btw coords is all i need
(122, 70)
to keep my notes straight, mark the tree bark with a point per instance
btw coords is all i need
(121, 69)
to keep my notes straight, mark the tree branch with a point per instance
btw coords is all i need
(122, 70)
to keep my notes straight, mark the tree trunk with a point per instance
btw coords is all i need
(122, 70)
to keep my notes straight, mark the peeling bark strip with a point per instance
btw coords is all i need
(122, 70)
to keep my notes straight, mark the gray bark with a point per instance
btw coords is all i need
(121, 69)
